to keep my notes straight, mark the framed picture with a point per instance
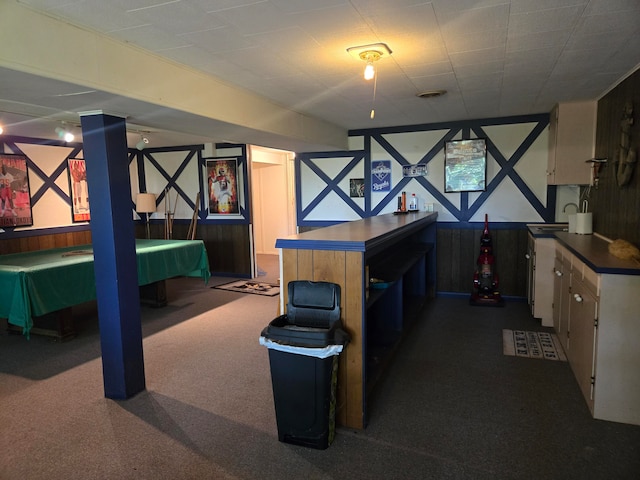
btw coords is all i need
(78, 189)
(15, 199)
(222, 177)
(465, 166)
(356, 187)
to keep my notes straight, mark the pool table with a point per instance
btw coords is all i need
(36, 283)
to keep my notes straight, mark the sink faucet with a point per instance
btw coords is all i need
(564, 210)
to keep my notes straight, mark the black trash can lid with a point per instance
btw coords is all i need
(281, 330)
(313, 304)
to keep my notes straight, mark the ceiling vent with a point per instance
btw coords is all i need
(431, 93)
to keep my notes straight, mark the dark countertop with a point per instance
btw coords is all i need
(594, 251)
(360, 235)
(546, 230)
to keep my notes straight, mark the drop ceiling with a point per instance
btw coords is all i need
(494, 58)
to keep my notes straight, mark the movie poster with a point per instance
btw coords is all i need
(78, 190)
(15, 200)
(223, 186)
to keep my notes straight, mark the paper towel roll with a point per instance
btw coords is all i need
(584, 223)
(572, 223)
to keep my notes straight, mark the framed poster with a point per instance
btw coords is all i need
(78, 190)
(15, 199)
(223, 186)
(465, 166)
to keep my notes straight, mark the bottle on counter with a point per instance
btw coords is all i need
(413, 203)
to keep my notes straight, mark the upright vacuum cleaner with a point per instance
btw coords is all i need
(485, 279)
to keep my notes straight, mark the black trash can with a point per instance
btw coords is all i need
(304, 347)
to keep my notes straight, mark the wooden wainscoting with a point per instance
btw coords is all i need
(457, 255)
(228, 246)
(44, 242)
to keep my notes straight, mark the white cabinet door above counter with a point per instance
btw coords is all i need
(572, 133)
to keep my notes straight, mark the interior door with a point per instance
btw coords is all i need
(270, 193)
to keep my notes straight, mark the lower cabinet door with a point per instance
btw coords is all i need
(582, 338)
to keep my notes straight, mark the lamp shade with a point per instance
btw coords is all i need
(146, 203)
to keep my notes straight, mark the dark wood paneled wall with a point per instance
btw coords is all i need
(457, 255)
(616, 210)
(228, 248)
(227, 245)
(43, 242)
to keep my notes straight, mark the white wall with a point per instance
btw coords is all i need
(504, 203)
(51, 210)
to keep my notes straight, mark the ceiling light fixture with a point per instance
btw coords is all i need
(65, 133)
(370, 53)
(370, 70)
(1, 130)
(144, 141)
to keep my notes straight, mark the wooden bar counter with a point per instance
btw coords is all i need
(399, 249)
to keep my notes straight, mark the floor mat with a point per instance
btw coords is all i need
(543, 345)
(250, 286)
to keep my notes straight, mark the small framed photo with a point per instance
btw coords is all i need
(465, 166)
(356, 187)
(78, 189)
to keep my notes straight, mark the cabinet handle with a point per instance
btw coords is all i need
(527, 256)
(558, 273)
(577, 297)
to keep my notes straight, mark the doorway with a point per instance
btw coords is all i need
(273, 204)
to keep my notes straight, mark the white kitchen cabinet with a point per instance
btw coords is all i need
(582, 339)
(540, 257)
(572, 133)
(602, 337)
(561, 293)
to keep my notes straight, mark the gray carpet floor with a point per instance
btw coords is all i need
(450, 406)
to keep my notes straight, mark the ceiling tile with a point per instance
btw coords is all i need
(519, 44)
(473, 20)
(544, 20)
(494, 57)
(477, 58)
(477, 41)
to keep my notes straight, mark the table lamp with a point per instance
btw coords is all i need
(146, 203)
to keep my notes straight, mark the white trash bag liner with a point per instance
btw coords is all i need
(317, 352)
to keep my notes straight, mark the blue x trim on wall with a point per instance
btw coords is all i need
(463, 130)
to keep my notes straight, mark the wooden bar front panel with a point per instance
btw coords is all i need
(345, 269)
